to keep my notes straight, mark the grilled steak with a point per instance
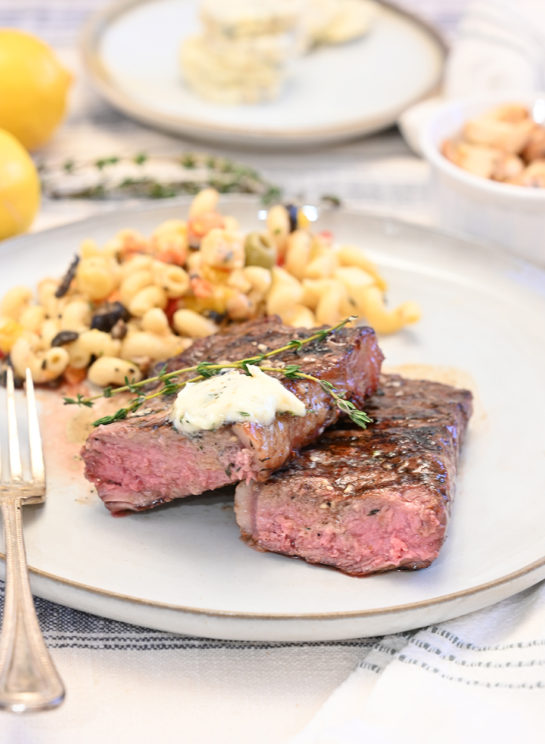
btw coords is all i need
(366, 500)
(143, 461)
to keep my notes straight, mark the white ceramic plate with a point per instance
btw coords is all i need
(183, 567)
(131, 51)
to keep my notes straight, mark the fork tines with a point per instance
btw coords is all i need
(34, 437)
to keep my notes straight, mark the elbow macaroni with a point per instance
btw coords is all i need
(144, 347)
(44, 365)
(112, 371)
(76, 316)
(15, 302)
(146, 299)
(190, 323)
(172, 279)
(155, 321)
(91, 343)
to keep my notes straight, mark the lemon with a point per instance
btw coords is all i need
(33, 88)
(19, 187)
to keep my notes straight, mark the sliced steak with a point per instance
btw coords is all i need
(366, 500)
(143, 461)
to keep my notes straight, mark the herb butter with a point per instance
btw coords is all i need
(232, 397)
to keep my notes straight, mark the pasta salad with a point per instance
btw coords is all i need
(123, 306)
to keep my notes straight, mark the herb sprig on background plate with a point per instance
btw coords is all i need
(168, 385)
(146, 176)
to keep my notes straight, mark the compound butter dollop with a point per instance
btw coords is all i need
(232, 397)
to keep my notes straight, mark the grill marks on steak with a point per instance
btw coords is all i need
(349, 358)
(366, 500)
(143, 461)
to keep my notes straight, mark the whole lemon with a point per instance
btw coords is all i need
(19, 187)
(33, 88)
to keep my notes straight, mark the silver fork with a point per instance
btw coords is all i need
(28, 678)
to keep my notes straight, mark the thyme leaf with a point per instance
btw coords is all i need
(330, 200)
(207, 369)
(130, 385)
(117, 416)
(295, 344)
(291, 371)
(78, 401)
(169, 388)
(346, 406)
(103, 162)
(162, 372)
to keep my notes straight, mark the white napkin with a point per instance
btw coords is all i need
(479, 678)
(499, 46)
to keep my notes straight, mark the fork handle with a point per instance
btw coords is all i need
(28, 678)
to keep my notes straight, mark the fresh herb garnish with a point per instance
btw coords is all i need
(168, 384)
(152, 176)
(79, 401)
(330, 200)
(103, 162)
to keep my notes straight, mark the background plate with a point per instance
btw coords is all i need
(131, 51)
(183, 567)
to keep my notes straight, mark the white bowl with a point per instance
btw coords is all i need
(509, 216)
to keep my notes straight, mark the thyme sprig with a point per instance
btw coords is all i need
(293, 372)
(207, 369)
(168, 385)
(152, 176)
(145, 175)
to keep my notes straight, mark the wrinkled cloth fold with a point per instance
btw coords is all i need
(477, 678)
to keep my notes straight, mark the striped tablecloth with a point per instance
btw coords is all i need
(130, 684)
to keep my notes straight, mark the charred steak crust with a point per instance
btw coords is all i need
(143, 461)
(369, 500)
(338, 359)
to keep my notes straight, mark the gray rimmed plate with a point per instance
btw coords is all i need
(183, 568)
(131, 51)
